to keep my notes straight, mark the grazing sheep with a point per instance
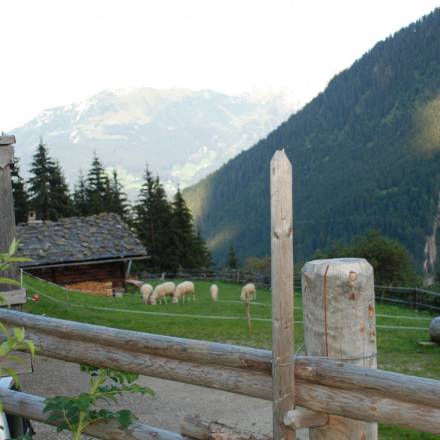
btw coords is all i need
(248, 293)
(161, 291)
(184, 289)
(146, 291)
(214, 292)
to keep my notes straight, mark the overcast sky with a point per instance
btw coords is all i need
(55, 52)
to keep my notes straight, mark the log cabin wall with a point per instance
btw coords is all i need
(63, 275)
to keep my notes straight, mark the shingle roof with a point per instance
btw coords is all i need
(77, 239)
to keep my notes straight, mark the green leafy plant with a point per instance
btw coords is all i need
(13, 339)
(106, 385)
(6, 258)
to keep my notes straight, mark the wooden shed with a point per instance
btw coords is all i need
(76, 250)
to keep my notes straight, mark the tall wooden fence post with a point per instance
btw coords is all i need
(340, 323)
(283, 370)
(9, 295)
(7, 218)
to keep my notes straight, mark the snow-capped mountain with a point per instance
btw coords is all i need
(182, 134)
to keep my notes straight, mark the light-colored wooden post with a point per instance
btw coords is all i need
(283, 369)
(340, 324)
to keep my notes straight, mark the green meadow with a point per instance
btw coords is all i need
(399, 329)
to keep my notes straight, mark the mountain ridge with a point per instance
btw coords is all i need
(182, 134)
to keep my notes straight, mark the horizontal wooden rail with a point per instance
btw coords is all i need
(322, 384)
(31, 407)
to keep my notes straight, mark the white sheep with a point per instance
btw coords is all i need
(248, 293)
(146, 291)
(214, 292)
(184, 289)
(161, 291)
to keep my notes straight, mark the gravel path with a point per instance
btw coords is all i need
(166, 410)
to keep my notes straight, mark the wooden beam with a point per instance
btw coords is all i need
(194, 427)
(314, 370)
(30, 406)
(7, 140)
(304, 418)
(11, 297)
(339, 323)
(211, 376)
(283, 375)
(167, 346)
(357, 404)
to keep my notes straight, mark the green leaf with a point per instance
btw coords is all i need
(30, 346)
(11, 372)
(4, 280)
(19, 333)
(3, 329)
(14, 358)
(13, 247)
(18, 259)
(125, 418)
(4, 348)
(83, 402)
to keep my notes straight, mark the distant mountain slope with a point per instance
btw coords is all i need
(365, 152)
(182, 134)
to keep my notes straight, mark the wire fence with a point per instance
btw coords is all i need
(414, 297)
(60, 295)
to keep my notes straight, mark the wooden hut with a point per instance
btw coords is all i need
(77, 250)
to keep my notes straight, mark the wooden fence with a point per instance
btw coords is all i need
(322, 385)
(337, 376)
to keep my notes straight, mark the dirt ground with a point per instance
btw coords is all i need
(166, 410)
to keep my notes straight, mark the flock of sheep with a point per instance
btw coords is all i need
(160, 293)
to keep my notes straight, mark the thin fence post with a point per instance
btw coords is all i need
(340, 324)
(283, 369)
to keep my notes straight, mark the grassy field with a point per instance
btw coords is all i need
(398, 348)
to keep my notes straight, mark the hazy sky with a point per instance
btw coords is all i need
(55, 52)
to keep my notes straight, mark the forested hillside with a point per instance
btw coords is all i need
(365, 152)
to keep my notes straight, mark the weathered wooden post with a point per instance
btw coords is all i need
(283, 369)
(10, 294)
(340, 324)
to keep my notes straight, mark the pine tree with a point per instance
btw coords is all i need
(232, 261)
(98, 188)
(202, 254)
(80, 202)
(183, 229)
(39, 183)
(21, 198)
(60, 200)
(49, 195)
(153, 224)
(118, 202)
